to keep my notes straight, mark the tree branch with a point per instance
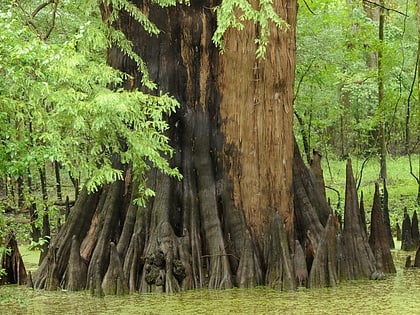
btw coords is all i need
(308, 7)
(40, 7)
(54, 14)
(384, 7)
(359, 179)
(31, 16)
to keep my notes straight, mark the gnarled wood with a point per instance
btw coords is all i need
(316, 169)
(311, 209)
(77, 224)
(232, 219)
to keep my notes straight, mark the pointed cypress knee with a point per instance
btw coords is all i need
(76, 269)
(12, 263)
(406, 236)
(280, 273)
(415, 230)
(417, 258)
(356, 258)
(324, 271)
(299, 264)
(114, 282)
(385, 215)
(378, 240)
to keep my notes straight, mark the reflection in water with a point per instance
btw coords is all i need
(398, 294)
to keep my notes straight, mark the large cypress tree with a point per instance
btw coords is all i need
(247, 206)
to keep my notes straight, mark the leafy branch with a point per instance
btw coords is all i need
(233, 14)
(30, 17)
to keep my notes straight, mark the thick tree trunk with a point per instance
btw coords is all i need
(248, 211)
(230, 219)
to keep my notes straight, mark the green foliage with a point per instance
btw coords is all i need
(38, 245)
(337, 76)
(61, 102)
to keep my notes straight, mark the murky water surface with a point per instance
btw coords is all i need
(398, 294)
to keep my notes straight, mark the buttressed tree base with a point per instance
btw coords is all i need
(248, 211)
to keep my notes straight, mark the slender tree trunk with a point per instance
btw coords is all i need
(35, 231)
(58, 180)
(21, 198)
(382, 130)
(46, 230)
(418, 100)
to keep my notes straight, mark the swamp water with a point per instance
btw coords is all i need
(398, 294)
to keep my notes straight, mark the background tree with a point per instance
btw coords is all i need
(348, 84)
